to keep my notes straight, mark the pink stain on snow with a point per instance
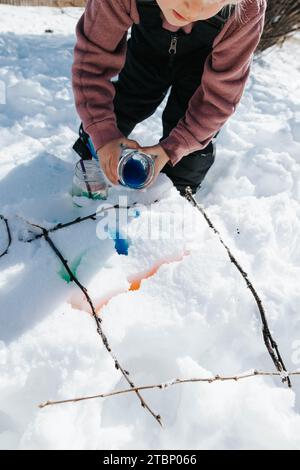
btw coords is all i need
(135, 284)
(136, 281)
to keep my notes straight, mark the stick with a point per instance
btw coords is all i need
(86, 179)
(271, 345)
(210, 380)
(78, 220)
(9, 239)
(98, 320)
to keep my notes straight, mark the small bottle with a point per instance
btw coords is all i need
(135, 169)
(89, 181)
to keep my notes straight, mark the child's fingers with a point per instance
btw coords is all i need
(113, 166)
(132, 144)
(110, 166)
(109, 171)
(106, 168)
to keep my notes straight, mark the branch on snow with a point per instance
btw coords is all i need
(271, 345)
(98, 321)
(78, 220)
(9, 239)
(162, 386)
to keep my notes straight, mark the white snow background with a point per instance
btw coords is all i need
(194, 317)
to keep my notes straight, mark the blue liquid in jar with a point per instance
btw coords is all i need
(134, 173)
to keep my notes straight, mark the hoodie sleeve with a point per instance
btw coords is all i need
(225, 75)
(99, 55)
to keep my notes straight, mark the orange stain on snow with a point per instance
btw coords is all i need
(135, 283)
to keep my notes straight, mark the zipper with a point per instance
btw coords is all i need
(173, 45)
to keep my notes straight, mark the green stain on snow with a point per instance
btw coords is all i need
(63, 273)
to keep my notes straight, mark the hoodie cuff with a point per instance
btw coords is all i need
(175, 146)
(103, 132)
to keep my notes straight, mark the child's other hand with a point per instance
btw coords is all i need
(161, 157)
(109, 156)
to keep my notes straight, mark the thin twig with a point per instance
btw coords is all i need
(97, 319)
(9, 239)
(88, 187)
(271, 345)
(162, 386)
(78, 220)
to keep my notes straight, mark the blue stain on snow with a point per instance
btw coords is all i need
(122, 243)
(136, 214)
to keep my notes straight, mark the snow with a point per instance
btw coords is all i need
(193, 315)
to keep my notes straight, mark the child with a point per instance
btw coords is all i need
(199, 49)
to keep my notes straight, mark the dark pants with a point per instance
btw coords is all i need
(141, 87)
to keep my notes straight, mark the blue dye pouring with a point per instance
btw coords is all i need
(134, 173)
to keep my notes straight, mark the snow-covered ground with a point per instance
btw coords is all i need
(193, 317)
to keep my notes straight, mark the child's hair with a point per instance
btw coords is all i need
(239, 7)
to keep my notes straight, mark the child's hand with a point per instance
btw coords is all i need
(109, 156)
(161, 157)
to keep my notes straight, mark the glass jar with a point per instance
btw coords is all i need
(89, 181)
(135, 169)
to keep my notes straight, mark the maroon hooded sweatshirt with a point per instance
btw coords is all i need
(100, 54)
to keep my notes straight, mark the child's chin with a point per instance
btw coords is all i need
(177, 24)
(171, 20)
(174, 21)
